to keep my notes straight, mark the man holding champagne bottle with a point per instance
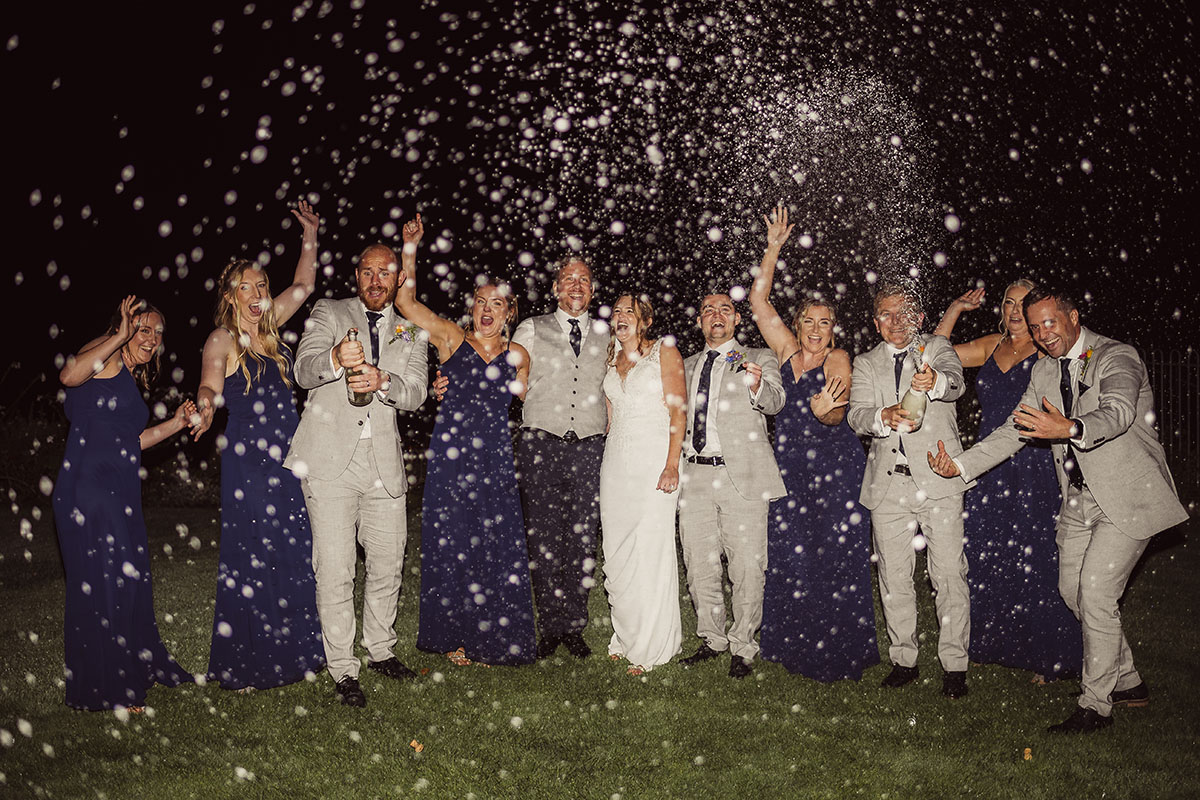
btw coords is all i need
(347, 454)
(901, 489)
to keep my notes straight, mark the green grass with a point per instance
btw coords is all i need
(567, 728)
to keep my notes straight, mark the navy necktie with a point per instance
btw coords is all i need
(1070, 464)
(900, 368)
(576, 336)
(700, 419)
(373, 318)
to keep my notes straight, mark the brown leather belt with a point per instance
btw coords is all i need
(708, 461)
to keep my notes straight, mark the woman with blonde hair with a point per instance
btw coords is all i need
(476, 597)
(818, 611)
(265, 628)
(1018, 618)
(639, 487)
(113, 649)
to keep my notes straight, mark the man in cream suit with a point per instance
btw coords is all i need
(558, 456)
(1092, 400)
(729, 479)
(351, 466)
(903, 492)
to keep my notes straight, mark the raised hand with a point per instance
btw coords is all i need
(753, 376)
(412, 231)
(309, 221)
(942, 463)
(778, 229)
(968, 301)
(830, 396)
(924, 378)
(184, 414)
(129, 309)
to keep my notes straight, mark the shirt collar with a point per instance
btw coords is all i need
(363, 307)
(564, 320)
(1078, 348)
(724, 347)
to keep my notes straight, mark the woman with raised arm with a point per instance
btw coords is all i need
(818, 611)
(265, 629)
(639, 487)
(476, 597)
(1018, 618)
(113, 649)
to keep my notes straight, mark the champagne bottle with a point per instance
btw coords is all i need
(914, 402)
(356, 398)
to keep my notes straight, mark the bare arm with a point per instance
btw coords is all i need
(213, 364)
(518, 356)
(772, 327)
(164, 430)
(829, 405)
(976, 352)
(675, 397)
(289, 301)
(94, 357)
(443, 334)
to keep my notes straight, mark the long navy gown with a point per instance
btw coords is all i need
(113, 649)
(475, 589)
(818, 610)
(1018, 618)
(265, 630)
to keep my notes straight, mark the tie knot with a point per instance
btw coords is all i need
(900, 356)
(374, 317)
(712, 355)
(574, 323)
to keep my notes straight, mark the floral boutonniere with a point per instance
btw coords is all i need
(406, 332)
(735, 359)
(1086, 358)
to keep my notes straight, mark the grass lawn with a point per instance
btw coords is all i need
(568, 728)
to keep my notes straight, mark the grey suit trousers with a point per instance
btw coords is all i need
(354, 507)
(894, 524)
(1094, 563)
(715, 520)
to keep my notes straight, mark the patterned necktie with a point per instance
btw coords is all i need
(1070, 464)
(373, 318)
(699, 420)
(576, 336)
(900, 368)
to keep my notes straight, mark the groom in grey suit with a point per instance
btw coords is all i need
(903, 492)
(729, 480)
(351, 465)
(1092, 400)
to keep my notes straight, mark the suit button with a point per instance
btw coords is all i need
(889, 472)
(360, 422)
(893, 450)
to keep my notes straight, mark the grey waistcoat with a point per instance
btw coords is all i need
(565, 392)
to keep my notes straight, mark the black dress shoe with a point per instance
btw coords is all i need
(739, 667)
(575, 645)
(1134, 697)
(547, 645)
(391, 668)
(1084, 720)
(900, 676)
(703, 654)
(349, 693)
(954, 684)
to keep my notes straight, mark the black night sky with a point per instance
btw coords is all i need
(1061, 137)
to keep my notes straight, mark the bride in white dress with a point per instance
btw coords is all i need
(639, 489)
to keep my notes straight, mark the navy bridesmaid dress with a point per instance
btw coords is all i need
(265, 629)
(475, 589)
(113, 649)
(818, 609)
(1018, 618)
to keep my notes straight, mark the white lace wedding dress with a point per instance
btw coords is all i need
(641, 574)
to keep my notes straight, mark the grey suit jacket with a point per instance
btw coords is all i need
(330, 427)
(742, 426)
(874, 388)
(1121, 458)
